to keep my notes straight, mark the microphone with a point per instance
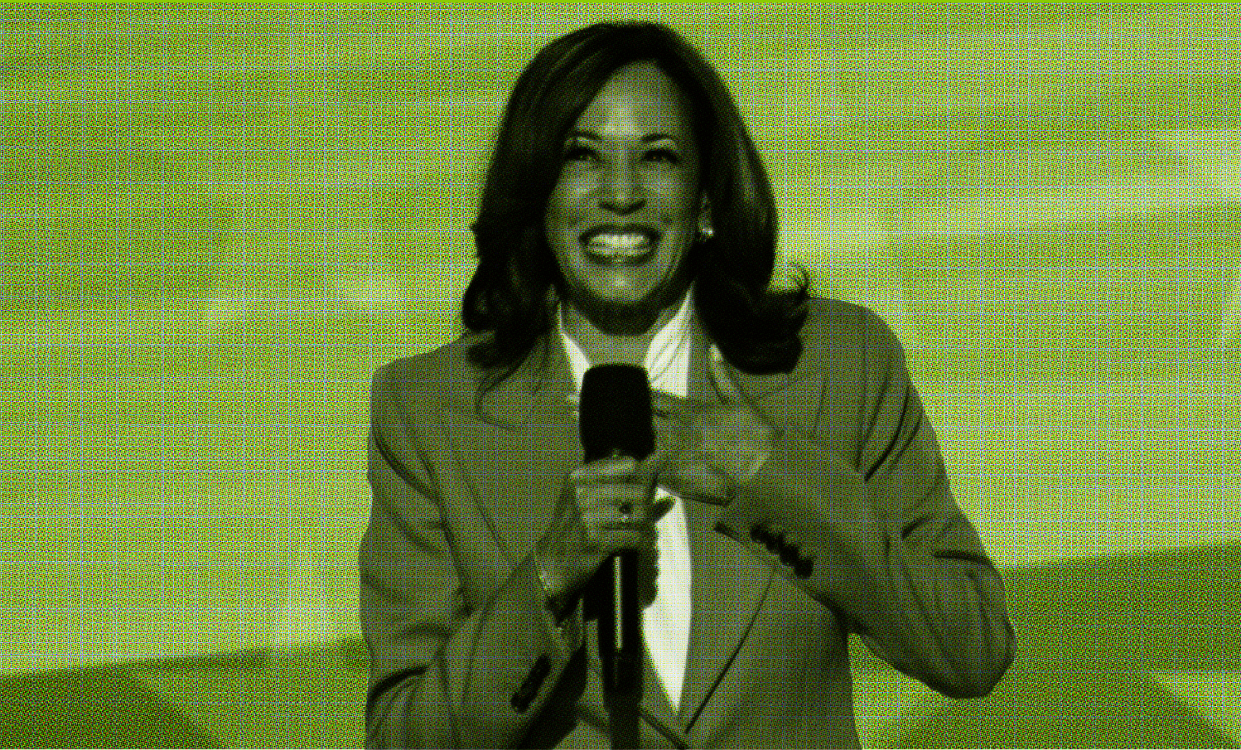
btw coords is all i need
(614, 417)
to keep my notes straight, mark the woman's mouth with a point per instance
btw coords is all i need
(619, 245)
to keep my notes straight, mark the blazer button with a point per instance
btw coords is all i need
(522, 698)
(775, 541)
(788, 554)
(804, 567)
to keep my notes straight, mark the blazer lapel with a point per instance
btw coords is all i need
(728, 584)
(516, 459)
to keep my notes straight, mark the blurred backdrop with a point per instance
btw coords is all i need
(217, 221)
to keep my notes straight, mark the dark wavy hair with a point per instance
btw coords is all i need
(512, 295)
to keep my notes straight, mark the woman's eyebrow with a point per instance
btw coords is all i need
(593, 136)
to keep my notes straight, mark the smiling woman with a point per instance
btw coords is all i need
(796, 494)
(545, 152)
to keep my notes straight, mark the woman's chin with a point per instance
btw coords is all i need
(621, 317)
(626, 309)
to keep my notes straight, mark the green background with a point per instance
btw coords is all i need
(219, 220)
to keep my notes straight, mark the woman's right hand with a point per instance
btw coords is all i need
(606, 506)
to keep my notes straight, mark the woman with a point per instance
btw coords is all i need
(796, 494)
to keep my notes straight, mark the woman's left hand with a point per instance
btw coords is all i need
(707, 450)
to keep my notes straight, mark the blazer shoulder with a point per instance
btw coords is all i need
(435, 377)
(837, 333)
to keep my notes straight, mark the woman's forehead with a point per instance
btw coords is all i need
(638, 96)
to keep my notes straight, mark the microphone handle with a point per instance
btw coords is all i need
(614, 418)
(620, 644)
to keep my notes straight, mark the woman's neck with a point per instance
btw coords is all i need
(611, 348)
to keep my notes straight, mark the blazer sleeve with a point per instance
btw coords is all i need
(446, 672)
(883, 540)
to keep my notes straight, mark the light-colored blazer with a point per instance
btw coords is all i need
(848, 528)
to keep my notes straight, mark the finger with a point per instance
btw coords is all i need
(605, 501)
(674, 437)
(694, 479)
(674, 408)
(724, 380)
(613, 540)
(626, 532)
(605, 470)
(642, 511)
(668, 453)
(660, 509)
(618, 523)
(647, 472)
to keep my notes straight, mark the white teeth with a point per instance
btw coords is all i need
(616, 241)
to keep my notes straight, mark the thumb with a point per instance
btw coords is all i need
(660, 509)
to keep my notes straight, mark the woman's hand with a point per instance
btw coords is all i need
(605, 506)
(706, 450)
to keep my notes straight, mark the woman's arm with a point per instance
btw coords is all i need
(444, 673)
(883, 541)
(464, 651)
(845, 493)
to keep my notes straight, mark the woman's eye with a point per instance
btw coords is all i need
(580, 153)
(664, 155)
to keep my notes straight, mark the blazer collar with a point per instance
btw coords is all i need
(538, 392)
(542, 386)
(754, 387)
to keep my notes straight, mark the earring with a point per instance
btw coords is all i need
(705, 230)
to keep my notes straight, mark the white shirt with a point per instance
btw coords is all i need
(665, 623)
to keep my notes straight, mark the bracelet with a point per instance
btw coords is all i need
(559, 609)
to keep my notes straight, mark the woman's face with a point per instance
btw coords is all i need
(625, 210)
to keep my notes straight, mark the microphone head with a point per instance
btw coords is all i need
(614, 412)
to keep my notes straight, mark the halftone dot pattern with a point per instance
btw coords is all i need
(219, 221)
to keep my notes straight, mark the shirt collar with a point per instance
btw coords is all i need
(666, 356)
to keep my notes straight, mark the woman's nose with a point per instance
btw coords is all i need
(622, 189)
